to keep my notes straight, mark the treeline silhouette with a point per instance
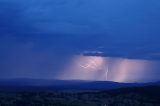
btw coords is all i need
(137, 96)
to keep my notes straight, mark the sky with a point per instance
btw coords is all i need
(80, 39)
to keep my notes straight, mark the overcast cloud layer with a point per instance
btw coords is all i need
(123, 28)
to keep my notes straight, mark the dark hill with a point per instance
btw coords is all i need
(40, 84)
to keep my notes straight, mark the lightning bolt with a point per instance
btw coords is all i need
(92, 65)
(107, 71)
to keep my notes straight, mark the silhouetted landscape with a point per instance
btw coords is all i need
(36, 92)
(135, 96)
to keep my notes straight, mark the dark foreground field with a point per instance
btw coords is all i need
(135, 96)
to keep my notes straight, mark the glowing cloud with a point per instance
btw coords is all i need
(128, 70)
(84, 68)
(110, 69)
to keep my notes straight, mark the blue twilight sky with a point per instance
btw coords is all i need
(38, 38)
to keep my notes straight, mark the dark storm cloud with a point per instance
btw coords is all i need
(48, 31)
(123, 28)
